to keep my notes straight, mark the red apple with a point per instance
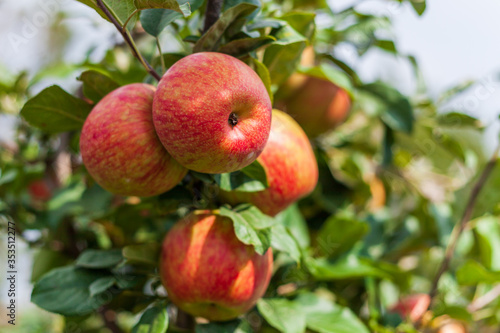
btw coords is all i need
(412, 307)
(39, 190)
(318, 106)
(208, 272)
(120, 148)
(212, 113)
(290, 165)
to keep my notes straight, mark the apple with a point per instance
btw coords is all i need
(208, 272)
(412, 307)
(39, 190)
(290, 165)
(212, 113)
(120, 148)
(318, 106)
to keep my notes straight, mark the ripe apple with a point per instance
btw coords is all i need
(290, 165)
(412, 307)
(212, 113)
(208, 272)
(318, 106)
(39, 190)
(120, 148)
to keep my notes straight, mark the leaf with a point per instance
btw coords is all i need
(282, 314)
(347, 268)
(332, 243)
(46, 260)
(399, 112)
(323, 316)
(329, 73)
(101, 285)
(264, 75)
(283, 241)
(53, 110)
(251, 178)
(97, 259)
(97, 85)
(293, 220)
(181, 6)
(302, 22)
(473, 273)
(153, 320)
(66, 291)
(458, 120)
(419, 6)
(241, 47)
(142, 253)
(233, 326)
(154, 21)
(251, 226)
(487, 231)
(211, 39)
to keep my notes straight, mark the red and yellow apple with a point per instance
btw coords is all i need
(120, 148)
(212, 113)
(318, 106)
(412, 307)
(210, 273)
(290, 165)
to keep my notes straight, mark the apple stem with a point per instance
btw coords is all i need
(212, 14)
(460, 227)
(128, 39)
(233, 119)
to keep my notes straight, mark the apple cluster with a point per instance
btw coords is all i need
(210, 113)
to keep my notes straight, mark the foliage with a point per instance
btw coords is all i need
(394, 180)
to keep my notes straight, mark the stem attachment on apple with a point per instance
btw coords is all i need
(233, 119)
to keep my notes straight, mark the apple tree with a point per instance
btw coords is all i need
(251, 181)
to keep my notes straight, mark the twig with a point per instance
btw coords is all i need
(484, 300)
(212, 14)
(109, 322)
(459, 228)
(126, 36)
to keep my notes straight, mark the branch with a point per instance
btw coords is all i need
(484, 300)
(459, 228)
(126, 36)
(109, 322)
(212, 14)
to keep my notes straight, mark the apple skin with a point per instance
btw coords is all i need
(120, 148)
(208, 272)
(318, 106)
(192, 109)
(290, 164)
(412, 307)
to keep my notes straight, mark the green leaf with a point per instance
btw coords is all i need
(350, 267)
(487, 230)
(233, 326)
(181, 6)
(458, 120)
(241, 47)
(329, 73)
(399, 112)
(473, 273)
(293, 220)
(153, 320)
(419, 6)
(251, 178)
(282, 314)
(211, 39)
(332, 243)
(147, 253)
(282, 240)
(251, 226)
(54, 110)
(97, 85)
(264, 75)
(323, 316)
(66, 291)
(99, 258)
(46, 260)
(101, 285)
(302, 22)
(154, 21)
